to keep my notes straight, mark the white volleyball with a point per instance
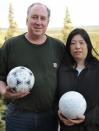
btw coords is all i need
(72, 104)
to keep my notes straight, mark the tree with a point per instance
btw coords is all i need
(67, 26)
(13, 28)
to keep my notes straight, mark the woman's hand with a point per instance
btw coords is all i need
(70, 122)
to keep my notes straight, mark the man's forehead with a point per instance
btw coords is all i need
(39, 10)
(39, 7)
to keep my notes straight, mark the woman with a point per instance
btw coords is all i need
(80, 72)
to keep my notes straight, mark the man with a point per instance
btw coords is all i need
(34, 110)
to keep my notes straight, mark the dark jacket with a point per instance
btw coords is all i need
(87, 83)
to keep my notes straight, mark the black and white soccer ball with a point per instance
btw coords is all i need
(20, 79)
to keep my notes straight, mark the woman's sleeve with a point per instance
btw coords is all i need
(92, 117)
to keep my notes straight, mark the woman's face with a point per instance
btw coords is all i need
(78, 48)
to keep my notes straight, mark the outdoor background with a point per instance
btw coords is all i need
(65, 16)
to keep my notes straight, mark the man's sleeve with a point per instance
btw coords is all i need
(3, 63)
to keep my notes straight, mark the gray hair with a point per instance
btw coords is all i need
(29, 8)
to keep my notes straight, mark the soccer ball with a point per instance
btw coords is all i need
(20, 79)
(72, 105)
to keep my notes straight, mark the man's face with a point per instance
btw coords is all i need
(37, 20)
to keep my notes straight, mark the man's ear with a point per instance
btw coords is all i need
(26, 20)
(48, 21)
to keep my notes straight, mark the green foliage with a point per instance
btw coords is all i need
(2, 37)
(95, 41)
(13, 28)
(2, 110)
(2, 125)
(67, 27)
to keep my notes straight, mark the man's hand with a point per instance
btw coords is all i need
(10, 93)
